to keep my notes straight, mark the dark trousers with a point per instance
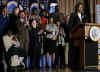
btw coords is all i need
(2, 67)
(1, 55)
(60, 55)
(74, 57)
(35, 60)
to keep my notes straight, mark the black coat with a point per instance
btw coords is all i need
(34, 49)
(74, 51)
(4, 21)
(12, 23)
(34, 44)
(74, 20)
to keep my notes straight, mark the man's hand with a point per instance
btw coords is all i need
(54, 38)
(14, 38)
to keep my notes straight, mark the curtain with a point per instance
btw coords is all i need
(87, 10)
(67, 7)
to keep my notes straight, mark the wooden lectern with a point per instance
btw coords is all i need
(80, 35)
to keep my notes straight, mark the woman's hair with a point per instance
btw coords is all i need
(31, 20)
(57, 22)
(26, 10)
(42, 11)
(33, 10)
(77, 6)
(8, 30)
(57, 9)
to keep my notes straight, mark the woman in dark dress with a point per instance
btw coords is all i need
(34, 46)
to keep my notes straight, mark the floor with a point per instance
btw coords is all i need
(51, 70)
(61, 70)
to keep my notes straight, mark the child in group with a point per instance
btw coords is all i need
(60, 51)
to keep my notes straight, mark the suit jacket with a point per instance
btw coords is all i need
(12, 23)
(3, 23)
(74, 20)
(74, 50)
(22, 34)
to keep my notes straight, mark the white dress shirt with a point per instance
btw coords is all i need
(8, 42)
(80, 16)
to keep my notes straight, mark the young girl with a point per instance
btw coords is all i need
(60, 51)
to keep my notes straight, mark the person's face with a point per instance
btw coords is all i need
(80, 9)
(35, 12)
(34, 23)
(22, 15)
(44, 13)
(16, 11)
(51, 20)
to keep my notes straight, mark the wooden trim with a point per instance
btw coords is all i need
(94, 5)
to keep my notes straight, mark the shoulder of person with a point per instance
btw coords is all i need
(5, 36)
(48, 24)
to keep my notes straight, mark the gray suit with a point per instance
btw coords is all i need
(23, 35)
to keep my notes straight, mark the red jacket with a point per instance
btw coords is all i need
(43, 22)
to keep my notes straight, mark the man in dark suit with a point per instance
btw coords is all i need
(3, 25)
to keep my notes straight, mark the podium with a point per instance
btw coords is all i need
(85, 37)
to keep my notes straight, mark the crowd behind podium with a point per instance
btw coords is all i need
(30, 36)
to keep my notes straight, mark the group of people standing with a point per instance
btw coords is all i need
(23, 34)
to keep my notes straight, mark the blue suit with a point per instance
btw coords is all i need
(4, 21)
(3, 26)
